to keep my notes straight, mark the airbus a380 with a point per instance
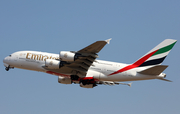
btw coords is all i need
(81, 67)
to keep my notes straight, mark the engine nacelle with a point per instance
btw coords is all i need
(64, 80)
(67, 56)
(52, 64)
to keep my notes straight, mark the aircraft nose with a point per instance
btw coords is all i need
(5, 60)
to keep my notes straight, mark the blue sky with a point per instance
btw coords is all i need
(53, 26)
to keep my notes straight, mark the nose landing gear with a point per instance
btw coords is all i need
(7, 68)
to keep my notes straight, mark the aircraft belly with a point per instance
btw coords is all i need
(28, 65)
(121, 78)
(32, 66)
(64, 70)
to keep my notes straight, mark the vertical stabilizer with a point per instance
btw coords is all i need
(154, 57)
(157, 55)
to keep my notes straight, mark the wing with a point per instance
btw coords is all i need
(95, 47)
(85, 59)
(89, 54)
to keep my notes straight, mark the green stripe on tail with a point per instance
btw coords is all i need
(164, 49)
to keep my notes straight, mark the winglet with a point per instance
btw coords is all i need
(108, 40)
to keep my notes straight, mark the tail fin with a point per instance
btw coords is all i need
(153, 57)
(157, 55)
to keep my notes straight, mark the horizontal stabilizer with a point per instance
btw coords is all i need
(164, 79)
(156, 70)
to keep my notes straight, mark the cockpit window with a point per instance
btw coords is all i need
(9, 55)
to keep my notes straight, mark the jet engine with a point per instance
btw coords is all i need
(64, 80)
(68, 56)
(52, 64)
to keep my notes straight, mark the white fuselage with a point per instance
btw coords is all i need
(100, 70)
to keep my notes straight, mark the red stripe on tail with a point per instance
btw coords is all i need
(136, 64)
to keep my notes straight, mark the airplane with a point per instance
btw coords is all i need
(81, 67)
